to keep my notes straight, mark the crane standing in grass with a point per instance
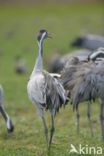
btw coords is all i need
(10, 126)
(89, 86)
(85, 82)
(69, 79)
(44, 90)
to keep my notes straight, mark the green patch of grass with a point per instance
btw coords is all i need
(18, 30)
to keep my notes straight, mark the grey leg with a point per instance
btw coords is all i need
(45, 129)
(102, 118)
(10, 126)
(78, 117)
(52, 130)
(3, 113)
(89, 117)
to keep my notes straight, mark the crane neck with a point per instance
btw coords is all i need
(39, 61)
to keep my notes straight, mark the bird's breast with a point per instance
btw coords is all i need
(36, 89)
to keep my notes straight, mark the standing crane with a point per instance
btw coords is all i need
(89, 86)
(10, 126)
(44, 90)
(85, 82)
(68, 80)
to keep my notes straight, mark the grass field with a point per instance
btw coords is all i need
(18, 31)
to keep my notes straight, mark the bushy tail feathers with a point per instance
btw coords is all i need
(83, 90)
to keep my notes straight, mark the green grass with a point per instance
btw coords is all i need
(18, 31)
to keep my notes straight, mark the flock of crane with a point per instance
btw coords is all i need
(80, 78)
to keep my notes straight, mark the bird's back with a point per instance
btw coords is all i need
(46, 91)
(89, 85)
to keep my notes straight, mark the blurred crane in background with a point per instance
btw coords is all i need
(20, 65)
(89, 41)
(58, 61)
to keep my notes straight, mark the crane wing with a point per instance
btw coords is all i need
(88, 86)
(55, 93)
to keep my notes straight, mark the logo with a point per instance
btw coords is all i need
(73, 149)
(85, 149)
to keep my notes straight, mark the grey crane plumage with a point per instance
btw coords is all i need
(68, 80)
(89, 87)
(89, 41)
(10, 126)
(98, 54)
(85, 82)
(44, 90)
(58, 61)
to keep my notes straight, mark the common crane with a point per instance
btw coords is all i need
(90, 86)
(85, 82)
(20, 65)
(44, 90)
(58, 61)
(89, 41)
(10, 126)
(67, 78)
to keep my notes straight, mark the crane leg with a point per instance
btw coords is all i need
(102, 118)
(45, 129)
(89, 118)
(78, 118)
(52, 130)
(10, 126)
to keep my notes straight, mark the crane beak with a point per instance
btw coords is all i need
(49, 35)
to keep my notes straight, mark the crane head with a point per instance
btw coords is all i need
(43, 34)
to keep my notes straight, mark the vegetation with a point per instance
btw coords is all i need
(18, 31)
